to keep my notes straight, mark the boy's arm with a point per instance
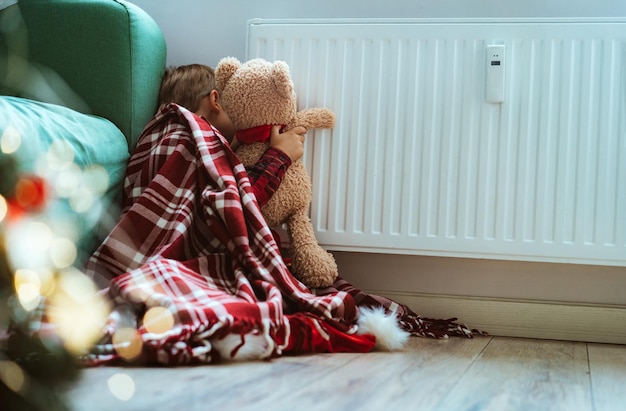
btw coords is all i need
(267, 174)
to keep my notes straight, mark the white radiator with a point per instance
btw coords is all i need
(420, 163)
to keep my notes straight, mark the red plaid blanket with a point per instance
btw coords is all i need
(192, 240)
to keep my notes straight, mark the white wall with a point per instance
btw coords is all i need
(201, 31)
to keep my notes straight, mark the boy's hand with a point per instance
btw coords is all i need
(290, 142)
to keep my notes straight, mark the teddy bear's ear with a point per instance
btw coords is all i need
(225, 70)
(282, 78)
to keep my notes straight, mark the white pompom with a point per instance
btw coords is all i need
(385, 327)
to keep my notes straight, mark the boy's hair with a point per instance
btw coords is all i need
(186, 85)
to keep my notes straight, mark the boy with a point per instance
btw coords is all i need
(158, 165)
(193, 87)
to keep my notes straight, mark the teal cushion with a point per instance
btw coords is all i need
(91, 141)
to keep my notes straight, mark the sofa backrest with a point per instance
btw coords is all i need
(109, 57)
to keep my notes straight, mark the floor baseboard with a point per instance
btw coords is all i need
(523, 318)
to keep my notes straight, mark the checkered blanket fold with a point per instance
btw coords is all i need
(192, 240)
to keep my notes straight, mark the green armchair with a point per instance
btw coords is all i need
(84, 73)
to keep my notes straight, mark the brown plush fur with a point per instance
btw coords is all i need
(259, 92)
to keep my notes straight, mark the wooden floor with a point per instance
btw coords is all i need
(484, 373)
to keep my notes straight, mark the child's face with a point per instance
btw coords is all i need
(222, 122)
(212, 110)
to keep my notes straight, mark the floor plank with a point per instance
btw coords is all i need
(607, 364)
(524, 374)
(425, 371)
(196, 387)
(414, 379)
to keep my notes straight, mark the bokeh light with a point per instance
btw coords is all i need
(122, 386)
(10, 140)
(4, 208)
(77, 310)
(30, 192)
(60, 155)
(47, 281)
(82, 199)
(127, 343)
(97, 177)
(67, 180)
(158, 320)
(29, 243)
(28, 288)
(63, 252)
(12, 375)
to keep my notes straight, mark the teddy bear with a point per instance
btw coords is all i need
(257, 94)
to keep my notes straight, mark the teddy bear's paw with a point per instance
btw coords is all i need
(316, 281)
(315, 267)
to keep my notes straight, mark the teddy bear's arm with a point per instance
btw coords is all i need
(314, 118)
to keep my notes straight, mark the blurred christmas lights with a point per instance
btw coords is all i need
(41, 241)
